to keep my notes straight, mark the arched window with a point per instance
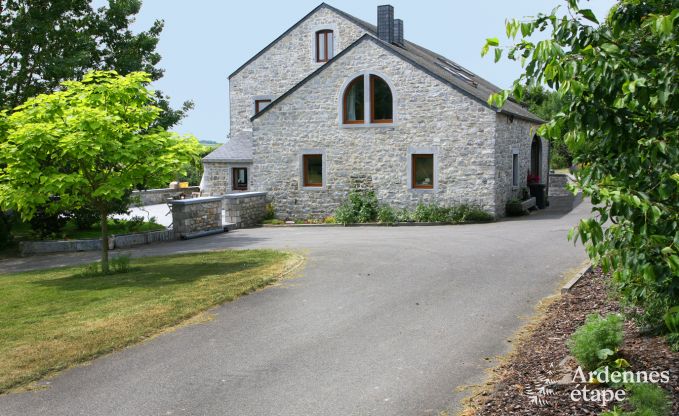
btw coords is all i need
(324, 45)
(353, 102)
(381, 102)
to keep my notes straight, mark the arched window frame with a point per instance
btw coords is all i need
(368, 117)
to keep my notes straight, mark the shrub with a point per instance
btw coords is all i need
(673, 340)
(386, 215)
(85, 218)
(5, 229)
(270, 212)
(329, 220)
(648, 399)
(467, 213)
(593, 342)
(360, 208)
(514, 208)
(430, 213)
(46, 224)
(404, 216)
(344, 214)
(120, 264)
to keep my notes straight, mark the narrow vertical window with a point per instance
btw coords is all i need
(240, 179)
(324, 45)
(261, 105)
(381, 102)
(353, 101)
(313, 170)
(515, 169)
(423, 171)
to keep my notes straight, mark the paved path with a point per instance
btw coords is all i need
(382, 321)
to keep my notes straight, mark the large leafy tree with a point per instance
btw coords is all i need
(45, 42)
(618, 82)
(87, 145)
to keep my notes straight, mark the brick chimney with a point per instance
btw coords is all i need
(385, 23)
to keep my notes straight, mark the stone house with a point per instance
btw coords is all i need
(336, 103)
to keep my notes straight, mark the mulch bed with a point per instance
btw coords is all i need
(545, 345)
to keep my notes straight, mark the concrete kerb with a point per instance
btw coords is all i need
(568, 286)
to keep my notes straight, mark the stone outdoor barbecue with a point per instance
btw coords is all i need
(336, 104)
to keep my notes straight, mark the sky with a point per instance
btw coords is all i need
(206, 40)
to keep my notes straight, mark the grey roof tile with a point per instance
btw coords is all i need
(237, 149)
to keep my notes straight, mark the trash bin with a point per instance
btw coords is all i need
(538, 191)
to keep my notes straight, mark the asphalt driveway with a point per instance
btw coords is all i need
(380, 321)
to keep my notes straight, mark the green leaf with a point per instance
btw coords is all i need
(498, 54)
(604, 353)
(493, 42)
(589, 15)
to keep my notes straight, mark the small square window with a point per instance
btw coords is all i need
(240, 179)
(261, 105)
(423, 171)
(313, 170)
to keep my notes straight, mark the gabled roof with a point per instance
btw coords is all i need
(438, 66)
(237, 150)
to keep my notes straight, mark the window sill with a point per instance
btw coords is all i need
(313, 188)
(367, 125)
(423, 190)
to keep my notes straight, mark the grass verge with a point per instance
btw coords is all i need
(53, 319)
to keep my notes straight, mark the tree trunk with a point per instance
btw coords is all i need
(104, 242)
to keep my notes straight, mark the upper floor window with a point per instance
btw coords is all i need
(324, 45)
(353, 101)
(380, 101)
(261, 105)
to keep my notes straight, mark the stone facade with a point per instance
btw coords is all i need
(245, 209)
(217, 177)
(514, 134)
(286, 63)
(196, 215)
(461, 134)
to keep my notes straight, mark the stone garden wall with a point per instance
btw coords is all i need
(160, 196)
(246, 209)
(195, 215)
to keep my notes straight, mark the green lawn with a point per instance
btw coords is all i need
(22, 231)
(52, 319)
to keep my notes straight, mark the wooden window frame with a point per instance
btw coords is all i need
(413, 162)
(325, 44)
(234, 180)
(305, 159)
(360, 78)
(258, 102)
(372, 102)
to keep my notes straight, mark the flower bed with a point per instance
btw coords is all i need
(541, 353)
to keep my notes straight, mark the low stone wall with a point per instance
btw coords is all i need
(160, 196)
(195, 215)
(245, 209)
(114, 242)
(560, 198)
